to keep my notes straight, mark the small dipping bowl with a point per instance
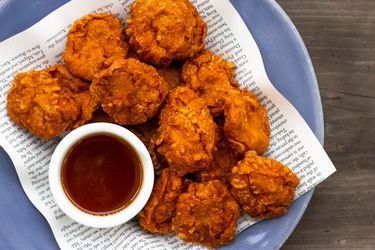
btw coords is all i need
(128, 211)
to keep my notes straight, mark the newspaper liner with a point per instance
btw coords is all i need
(292, 141)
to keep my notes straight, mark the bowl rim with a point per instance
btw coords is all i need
(108, 220)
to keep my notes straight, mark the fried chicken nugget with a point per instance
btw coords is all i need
(49, 101)
(156, 216)
(81, 94)
(262, 186)
(211, 77)
(130, 91)
(246, 122)
(94, 42)
(163, 30)
(206, 214)
(187, 132)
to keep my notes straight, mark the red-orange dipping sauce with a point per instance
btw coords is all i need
(101, 174)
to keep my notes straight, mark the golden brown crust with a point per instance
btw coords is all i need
(81, 94)
(156, 216)
(130, 91)
(246, 122)
(187, 132)
(206, 214)
(49, 101)
(146, 133)
(211, 77)
(146, 130)
(262, 186)
(158, 161)
(213, 172)
(224, 159)
(161, 31)
(94, 41)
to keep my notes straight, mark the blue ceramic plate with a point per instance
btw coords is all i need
(288, 66)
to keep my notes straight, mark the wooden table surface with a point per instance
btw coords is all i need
(340, 37)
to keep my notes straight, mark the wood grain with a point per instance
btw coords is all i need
(340, 37)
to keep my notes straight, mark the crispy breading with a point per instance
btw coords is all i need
(171, 74)
(224, 159)
(163, 30)
(246, 122)
(262, 186)
(187, 132)
(50, 101)
(146, 133)
(81, 94)
(211, 77)
(213, 172)
(206, 214)
(158, 161)
(94, 41)
(156, 216)
(146, 130)
(130, 91)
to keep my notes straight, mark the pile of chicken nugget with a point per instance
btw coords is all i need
(205, 135)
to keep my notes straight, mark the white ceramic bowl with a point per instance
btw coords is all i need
(100, 221)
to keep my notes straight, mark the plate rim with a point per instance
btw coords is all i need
(319, 131)
(320, 127)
